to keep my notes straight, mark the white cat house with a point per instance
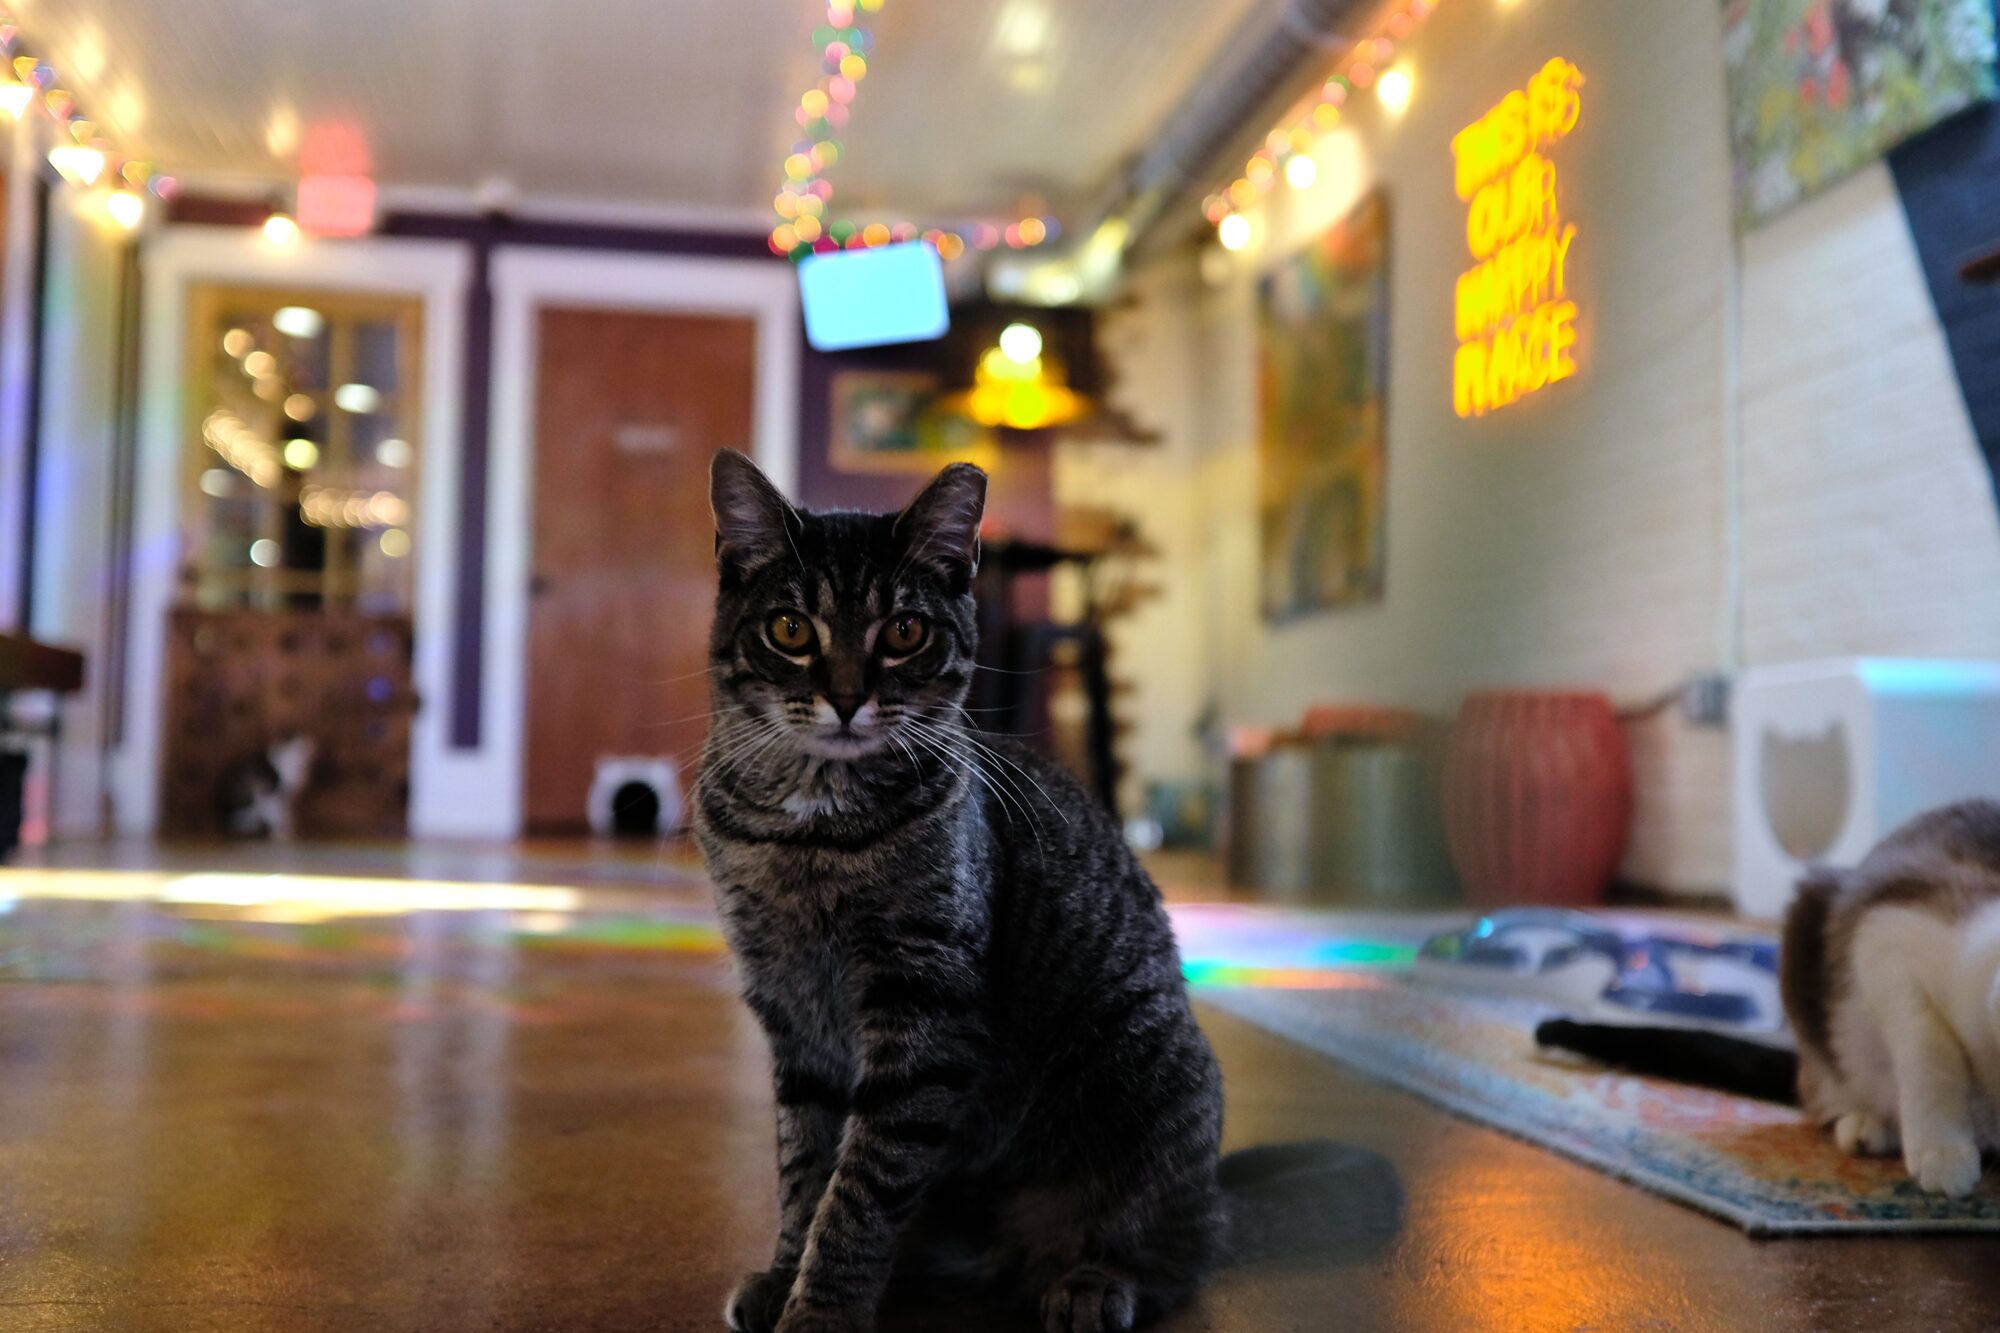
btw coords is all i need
(1830, 756)
(634, 794)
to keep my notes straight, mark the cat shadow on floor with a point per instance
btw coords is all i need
(1353, 1214)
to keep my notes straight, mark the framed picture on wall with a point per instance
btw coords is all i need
(1323, 386)
(888, 421)
(1819, 88)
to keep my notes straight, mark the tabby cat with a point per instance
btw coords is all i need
(985, 1062)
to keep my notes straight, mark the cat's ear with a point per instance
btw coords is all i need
(941, 526)
(753, 522)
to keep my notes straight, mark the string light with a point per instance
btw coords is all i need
(803, 226)
(81, 154)
(125, 208)
(1393, 90)
(1287, 147)
(79, 164)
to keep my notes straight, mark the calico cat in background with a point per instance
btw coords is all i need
(985, 1062)
(259, 793)
(1891, 979)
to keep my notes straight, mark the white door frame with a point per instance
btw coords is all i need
(175, 259)
(525, 279)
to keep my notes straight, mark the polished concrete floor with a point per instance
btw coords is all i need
(238, 1102)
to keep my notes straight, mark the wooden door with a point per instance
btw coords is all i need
(629, 409)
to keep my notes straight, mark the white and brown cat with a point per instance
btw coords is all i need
(1891, 978)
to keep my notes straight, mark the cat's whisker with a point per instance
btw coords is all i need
(1010, 797)
(969, 768)
(675, 680)
(691, 717)
(965, 737)
(739, 750)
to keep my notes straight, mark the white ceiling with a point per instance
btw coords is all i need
(969, 105)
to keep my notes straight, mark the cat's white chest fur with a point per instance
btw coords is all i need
(1917, 1037)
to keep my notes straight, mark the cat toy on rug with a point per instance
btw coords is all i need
(986, 1066)
(1704, 1011)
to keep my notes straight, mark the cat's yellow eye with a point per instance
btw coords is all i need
(905, 634)
(790, 632)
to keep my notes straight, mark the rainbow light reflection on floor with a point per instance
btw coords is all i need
(1221, 944)
(1232, 945)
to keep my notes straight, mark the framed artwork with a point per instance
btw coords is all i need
(887, 421)
(1323, 377)
(1817, 88)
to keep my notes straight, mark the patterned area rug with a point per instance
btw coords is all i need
(1334, 983)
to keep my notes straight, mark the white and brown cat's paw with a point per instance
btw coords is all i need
(1865, 1134)
(1948, 1166)
(1090, 1300)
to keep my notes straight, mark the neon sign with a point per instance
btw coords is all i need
(1515, 321)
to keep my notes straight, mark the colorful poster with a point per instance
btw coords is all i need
(1818, 88)
(1323, 326)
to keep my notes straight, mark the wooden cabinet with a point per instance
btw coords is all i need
(239, 680)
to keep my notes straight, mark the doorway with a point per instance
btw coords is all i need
(629, 408)
(292, 627)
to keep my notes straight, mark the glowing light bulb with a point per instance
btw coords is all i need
(264, 553)
(14, 98)
(357, 398)
(300, 455)
(238, 342)
(125, 208)
(1020, 343)
(1300, 172)
(298, 321)
(280, 230)
(78, 163)
(394, 452)
(1393, 90)
(1233, 231)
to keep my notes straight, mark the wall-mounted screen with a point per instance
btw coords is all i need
(870, 298)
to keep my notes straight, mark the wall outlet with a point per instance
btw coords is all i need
(1705, 699)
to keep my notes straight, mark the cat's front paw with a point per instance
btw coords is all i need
(758, 1301)
(1949, 1167)
(1090, 1300)
(1864, 1134)
(808, 1319)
